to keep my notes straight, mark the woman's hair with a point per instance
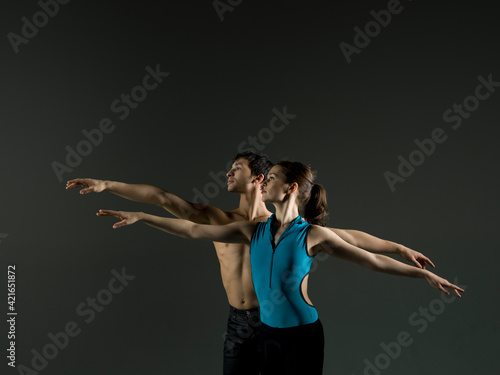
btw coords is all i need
(311, 197)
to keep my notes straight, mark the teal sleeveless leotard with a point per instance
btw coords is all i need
(277, 272)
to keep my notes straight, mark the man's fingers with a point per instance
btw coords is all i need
(72, 182)
(76, 183)
(430, 262)
(72, 185)
(423, 260)
(417, 263)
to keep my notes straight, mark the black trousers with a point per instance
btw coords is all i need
(292, 351)
(241, 356)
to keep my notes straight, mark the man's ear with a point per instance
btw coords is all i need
(259, 178)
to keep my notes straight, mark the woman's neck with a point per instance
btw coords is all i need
(286, 212)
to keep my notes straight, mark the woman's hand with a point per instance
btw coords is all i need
(127, 218)
(90, 185)
(415, 257)
(440, 284)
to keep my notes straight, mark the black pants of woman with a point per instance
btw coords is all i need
(292, 351)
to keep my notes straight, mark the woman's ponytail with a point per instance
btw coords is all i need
(311, 197)
(316, 209)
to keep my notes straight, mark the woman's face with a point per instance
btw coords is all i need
(274, 188)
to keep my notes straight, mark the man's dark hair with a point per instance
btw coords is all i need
(258, 163)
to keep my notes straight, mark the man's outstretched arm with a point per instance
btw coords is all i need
(196, 212)
(376, 245)
(323, 240)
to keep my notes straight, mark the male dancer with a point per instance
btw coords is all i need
(247, 173)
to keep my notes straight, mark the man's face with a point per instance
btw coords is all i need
(239, 177)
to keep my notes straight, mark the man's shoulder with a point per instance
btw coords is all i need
(263, 218)
(237, 215)
(224, 217)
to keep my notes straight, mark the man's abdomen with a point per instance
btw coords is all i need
(236, 275)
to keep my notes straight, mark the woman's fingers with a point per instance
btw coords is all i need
(120, 224)
(442, 289)
(118, 214)
(440, 284)
(108, 213)
(454, 288)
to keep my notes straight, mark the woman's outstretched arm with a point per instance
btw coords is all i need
(238, 232)
(321, 239)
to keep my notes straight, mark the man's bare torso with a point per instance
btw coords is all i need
(236, 273)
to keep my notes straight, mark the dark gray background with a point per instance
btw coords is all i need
(353, 120)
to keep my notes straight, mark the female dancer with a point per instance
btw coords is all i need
(281, 252)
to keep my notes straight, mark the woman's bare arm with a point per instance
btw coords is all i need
(323, 240)
(237, 232)
(379, 246)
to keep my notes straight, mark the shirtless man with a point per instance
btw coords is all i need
(247, 173)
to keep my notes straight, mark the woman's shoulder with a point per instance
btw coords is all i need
(317, 232)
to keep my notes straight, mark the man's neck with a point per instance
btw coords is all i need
(252, 206)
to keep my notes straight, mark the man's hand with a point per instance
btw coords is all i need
(127, 218)
(415, 257)
(91, 186)
(440, 284)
